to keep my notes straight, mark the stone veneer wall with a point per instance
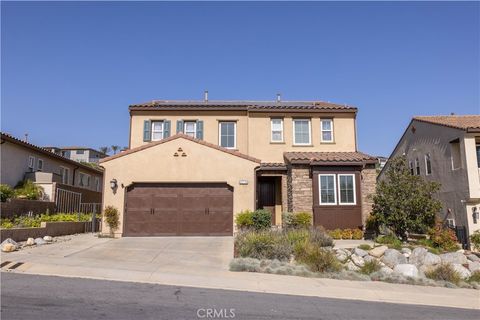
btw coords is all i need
(300, 189)
(368, 185)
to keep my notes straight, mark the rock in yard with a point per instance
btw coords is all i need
(393, 257)
(48, 238)
(9, 240)
(377, 252)
(408, 270)
(30, 242)
(418, 256)
(8, 247)
(360, 252)
(453, 257)
(406, 250)
(39, 241)
(473, 266)
(473, 257)
(357, 260)
(464, 272)
(341, 256)
(351, 266)
(431, 259)
(386, 270)
(368, 258)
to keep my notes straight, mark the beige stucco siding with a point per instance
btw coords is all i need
(201, 164)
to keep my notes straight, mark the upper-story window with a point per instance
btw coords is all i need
(83, 179)
(227, 134)
(64, 173)
(455, 154)
(80, 151)
(157, 130)
(301, 132)
(417, 167)
(478, 155)
(31, 162)
(97, 184)
(428, 164)
(39, 165)
(190, 128)
(410, 166)
(277, 130)
(326, 126)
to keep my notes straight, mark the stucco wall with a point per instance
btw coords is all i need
(201, 164)
(254, 130)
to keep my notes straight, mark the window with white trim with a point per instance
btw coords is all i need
(83, 179)
(417, 166)
(301, 132)
(346, 187)
(65, 174)
(190, 128)
(327, 189)
(31, 162)
(157, 130)
(326, 127)
(39, 165)
(428, 164)
(277, 130)
(97, 183)
(227, 134)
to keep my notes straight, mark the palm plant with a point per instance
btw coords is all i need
(115, 148)
(105, 150)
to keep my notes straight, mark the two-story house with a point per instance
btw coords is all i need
(446, 149)
(79, 154)
(192, 165)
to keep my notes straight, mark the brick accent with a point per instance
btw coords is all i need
(368, 185)
(300, 189)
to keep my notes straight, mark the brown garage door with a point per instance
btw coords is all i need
(181, 209)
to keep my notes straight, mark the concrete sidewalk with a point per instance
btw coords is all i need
(86, 256)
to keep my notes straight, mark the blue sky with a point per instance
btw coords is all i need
(70, 70)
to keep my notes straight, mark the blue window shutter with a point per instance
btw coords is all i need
(147, 127)
(166, 128)
(179, 126)
(200, 129)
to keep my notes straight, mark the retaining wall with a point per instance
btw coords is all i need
(21, 207)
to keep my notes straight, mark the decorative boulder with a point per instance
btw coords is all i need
(431, 259)
(406, 250)
(48, 238)
(30, 242)
(40, 241)
(360, 252)
(386, 270)
(473, 257)
(8, 247)
(351, 266)
(453, 258)
(368, 258)
(393, 257)
(10, 241)
(473, 266)
(358, 261)
(342, 254)
(418, 256)
(408, 270)
(462, 271)
(377, 252)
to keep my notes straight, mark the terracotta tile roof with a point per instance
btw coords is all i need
(177, 136)
(253, 106)
(12, 139)
(464, 122)
(328, 157)
(273, 166)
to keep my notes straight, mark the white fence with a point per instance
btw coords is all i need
(69, 201)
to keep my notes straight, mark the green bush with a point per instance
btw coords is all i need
(444, 272)
(264, 244)
(28, 190)
(391, 241)
(365, 247)
(6, 192)
(475, 240)
(6, 224)
(302, 220)
(370, 267)
(262, 219)
(35, 221)
(316, 258)
(320, 237)
(347, 234)
(244, 219)
(357, 234)
(111, 218)
(475, 277)
(335, 234)
(443, 238)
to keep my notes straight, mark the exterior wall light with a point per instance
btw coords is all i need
(113, 184)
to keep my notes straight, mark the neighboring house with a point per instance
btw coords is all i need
(79, 154)
(21, 160)
(192, 165)
(446, 149)
(381, 162)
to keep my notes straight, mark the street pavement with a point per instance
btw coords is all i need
(47, 297)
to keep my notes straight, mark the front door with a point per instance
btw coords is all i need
(266, 195)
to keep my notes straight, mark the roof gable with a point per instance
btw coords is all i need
(463, 122)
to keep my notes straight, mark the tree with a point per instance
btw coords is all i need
(404, 202)
(105, 150)
(115, 148)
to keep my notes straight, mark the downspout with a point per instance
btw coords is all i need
(355, 128)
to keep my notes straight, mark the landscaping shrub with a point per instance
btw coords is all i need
(365, 247)
(357, 234)
(26, 189)
(265, 244)
(475, 240)
(320, 237)
(111, 218)
(391, 241)
(287, 220)
(6, 192)
(302, 220)
(262, 219)
(370, 267)
(347, 234)
(6, 224)
(295, 236)
(335, 234)
(444, 272)
(35, 221)
(316, 258)
(443, 238)
(244, 219)
(475, 277)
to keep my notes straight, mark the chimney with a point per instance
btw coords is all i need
(279, 97)
(205, 96)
